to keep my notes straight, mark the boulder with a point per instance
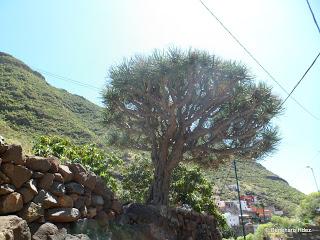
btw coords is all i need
(4, 178)
(92, 212)
(11, 203)
(102, 189)
(80, 202)
(46, 181)
(31, 212)
(31, 184)
(3, 148)
(66, 173)
(116, 206)
(58, 188)
(65, 201)
(39, 164)
(62, 215)
(54, 164)
(97, 200)
(44, 231)
(37, 175)
(6, 189)
(58, 177)
(13, 155)
(14, 228)
(27, 194)
(73, 187)
(46, 199)
(17, 174)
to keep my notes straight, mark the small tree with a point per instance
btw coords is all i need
(189, 105)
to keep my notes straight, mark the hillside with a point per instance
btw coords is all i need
(256, 180)
(30, 106)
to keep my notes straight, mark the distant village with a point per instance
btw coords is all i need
(253, 212)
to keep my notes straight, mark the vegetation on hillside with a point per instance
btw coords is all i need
(256, 180)
(30, 105)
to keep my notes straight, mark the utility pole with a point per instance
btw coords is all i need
(238, 190)
(314, 177)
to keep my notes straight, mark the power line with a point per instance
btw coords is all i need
(67, 79)
(297, 84)
(256, 60)
(314, 18)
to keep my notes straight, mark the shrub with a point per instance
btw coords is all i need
(91, 157)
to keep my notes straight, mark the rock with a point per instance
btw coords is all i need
(76, 168)
(102, 189)
(3, 148)
(102, 218)
(97, 200)
(46, 181)
(4, 178)
(116, 206)
(36, 163)
(17, 174)
(62, 214)
(58, 188)
(6, 189)
(31, 212)
(65, 201)
(31, 184)
(14, 228)
(92, 212)
(66, 173)
(44, 231)
(11, 203)
(13, 155)
(74, 196)
(58, 177)
(90, 180)
(46, 199)
(84, 212)
(80, 202)
(37, 175)
(27, 194)
(74, 187)
(54, 164)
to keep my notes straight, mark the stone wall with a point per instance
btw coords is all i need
(40, 190)
(41, 198)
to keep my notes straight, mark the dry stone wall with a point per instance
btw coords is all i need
(41, 190)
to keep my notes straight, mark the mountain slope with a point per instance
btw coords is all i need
(29, 104)
(254, 179)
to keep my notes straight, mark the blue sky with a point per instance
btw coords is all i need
(82, 39)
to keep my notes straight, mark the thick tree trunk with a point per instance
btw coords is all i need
(159, 192)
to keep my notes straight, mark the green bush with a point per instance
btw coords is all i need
(92, 158)
(309, 209)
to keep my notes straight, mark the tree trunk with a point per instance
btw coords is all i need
(159, 192)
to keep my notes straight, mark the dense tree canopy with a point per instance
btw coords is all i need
(189, 105)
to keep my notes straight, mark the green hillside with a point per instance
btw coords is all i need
(256, 180)
(30, 105)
